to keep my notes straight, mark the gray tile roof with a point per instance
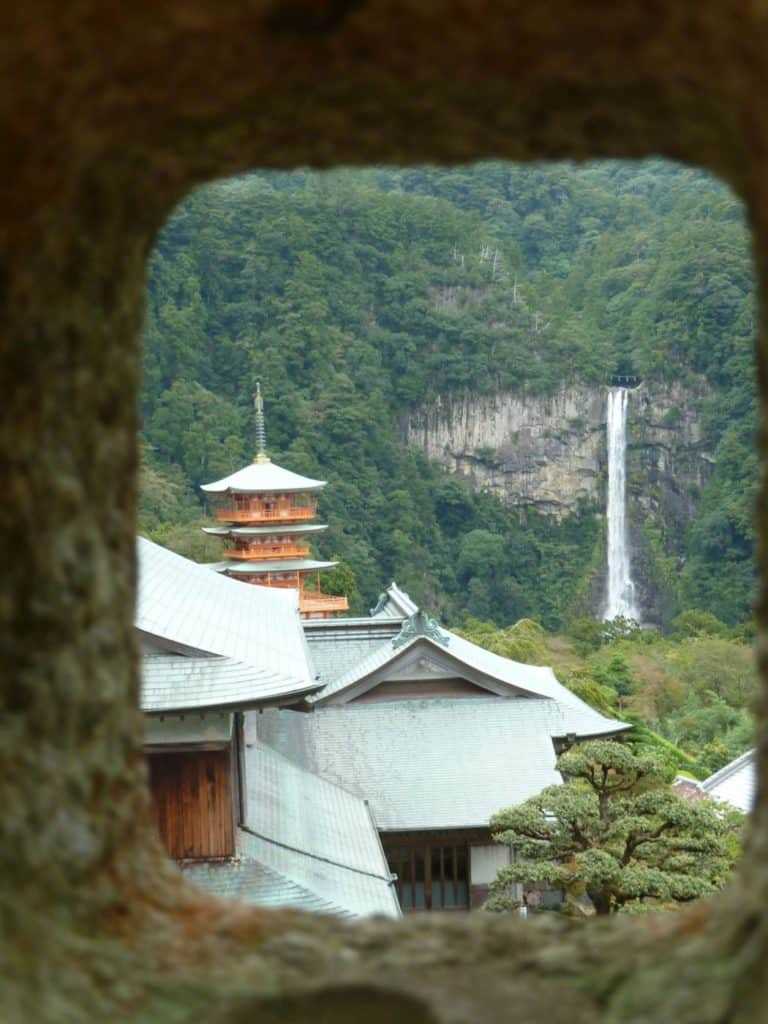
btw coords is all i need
(306, 843)
(394, 603)
(435, 763)
(336, 646)
(180, 683)
(341, 672)
(289, 804)
(249, 881)
(183, 608)
(736, 783)
(352, 892)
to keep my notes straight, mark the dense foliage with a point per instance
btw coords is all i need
(355, 294)
(689, 696)
(615, 831)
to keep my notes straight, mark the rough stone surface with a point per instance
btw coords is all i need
(109, 113)
(548, 452)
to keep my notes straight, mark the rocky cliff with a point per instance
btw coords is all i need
(548, 454)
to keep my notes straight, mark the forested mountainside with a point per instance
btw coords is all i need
(359, 298)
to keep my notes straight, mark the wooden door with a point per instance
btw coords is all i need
(192, 803)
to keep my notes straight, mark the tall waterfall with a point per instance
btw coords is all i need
(620, 597)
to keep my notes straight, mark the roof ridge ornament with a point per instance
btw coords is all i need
(418, 625)
(261, 428)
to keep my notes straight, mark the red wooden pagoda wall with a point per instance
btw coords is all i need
(192, 803)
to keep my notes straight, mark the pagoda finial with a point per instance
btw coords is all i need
(261, 429)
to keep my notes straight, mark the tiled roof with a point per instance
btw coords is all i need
(351, 892)
(292, 806)
(435, 763)
(250, 881)
(736, 783)
(341, 673)
(394, 603)
(307, 843)
(263, 476)
(176, 682)
(183, 608)
(337, 645)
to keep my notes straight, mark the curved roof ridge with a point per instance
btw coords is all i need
(190, 609)
(536, 680)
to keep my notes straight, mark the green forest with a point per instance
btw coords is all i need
(356, 294)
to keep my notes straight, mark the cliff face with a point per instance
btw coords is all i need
(548, 454)
(532, 451)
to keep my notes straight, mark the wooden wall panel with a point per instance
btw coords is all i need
(417, 689)
(192, 803)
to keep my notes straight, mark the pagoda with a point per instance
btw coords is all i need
(266, 514)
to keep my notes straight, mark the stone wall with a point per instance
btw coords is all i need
(109, 114)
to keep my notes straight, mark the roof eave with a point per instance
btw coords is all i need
(278, 701)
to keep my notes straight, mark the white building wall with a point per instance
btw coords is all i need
(485, 861)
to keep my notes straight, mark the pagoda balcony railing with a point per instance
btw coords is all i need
(267, 552)
(255, 514)
(322, 603)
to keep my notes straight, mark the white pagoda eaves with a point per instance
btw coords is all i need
(261, 477)
(294, 529)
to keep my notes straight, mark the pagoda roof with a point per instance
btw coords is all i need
(295, 529)
(274, 565)
(263, 476)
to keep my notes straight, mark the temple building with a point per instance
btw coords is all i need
(344, 766)
(240, 819)
(267, 515)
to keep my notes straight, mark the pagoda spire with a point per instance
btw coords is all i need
(267, 515)
(261, 428)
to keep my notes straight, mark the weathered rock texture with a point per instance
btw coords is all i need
(109, 113)
(532, 451)
(548, 453)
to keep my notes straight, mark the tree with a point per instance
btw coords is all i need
(615, 831)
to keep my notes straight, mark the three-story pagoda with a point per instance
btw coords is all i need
(267, 515)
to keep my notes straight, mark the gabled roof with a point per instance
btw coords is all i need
(736, 783)
(184, 609)
(263, 476)
(439, 763)
(497, 674)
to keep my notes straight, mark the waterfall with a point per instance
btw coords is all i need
(620, 597)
